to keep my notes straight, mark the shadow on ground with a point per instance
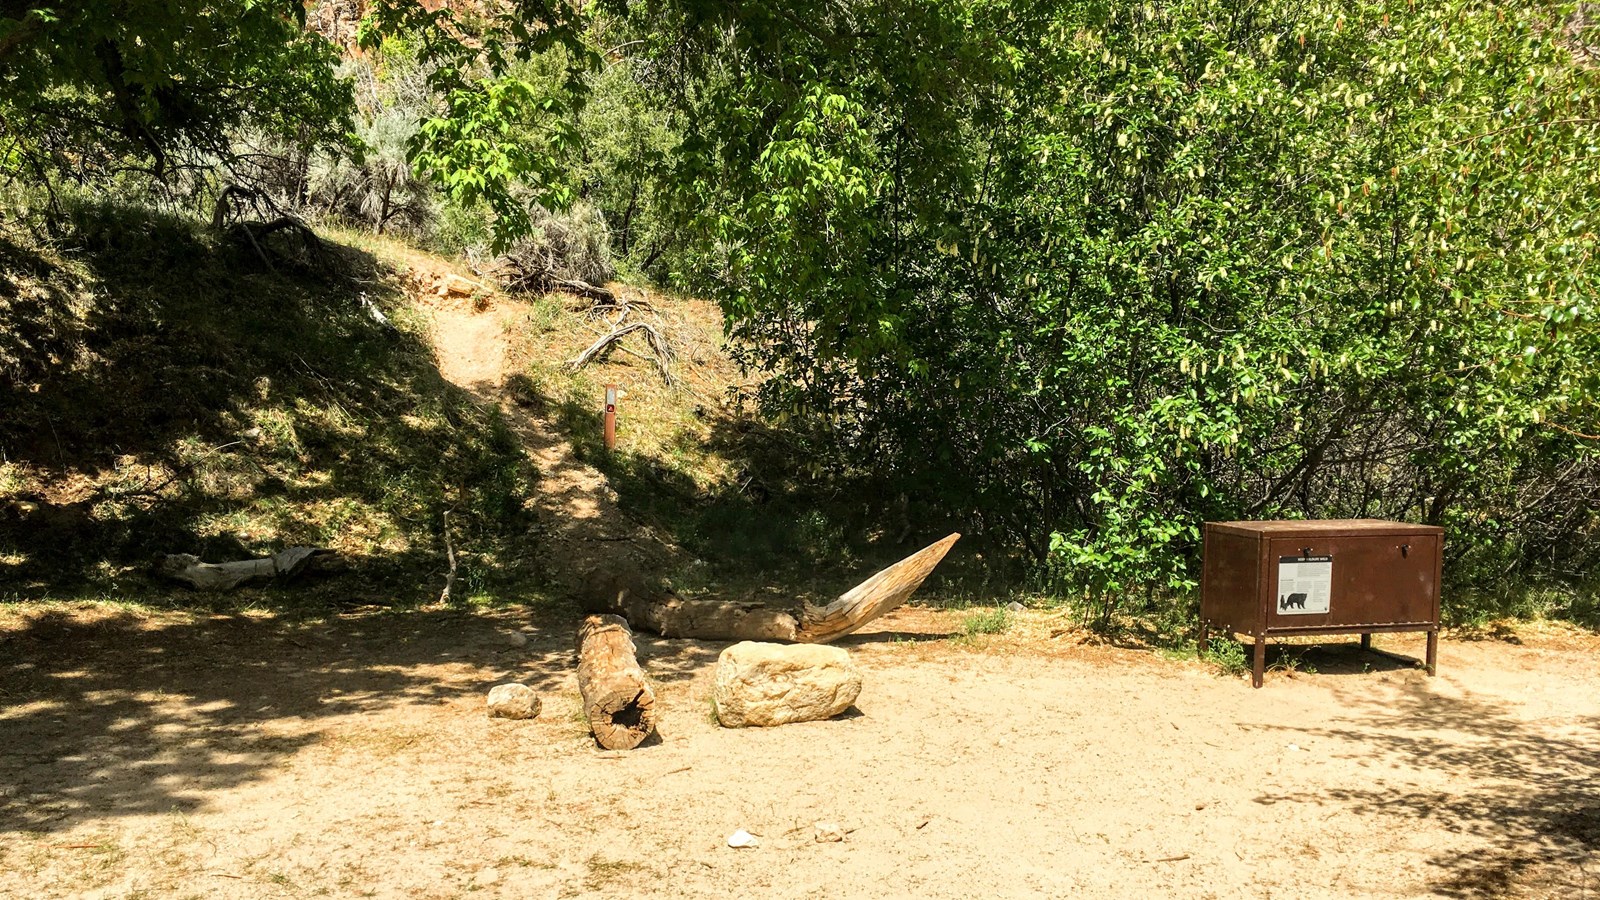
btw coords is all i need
(1541, 814)
(1345, 658)
(165, 391)
(110, 714)
(125, 714)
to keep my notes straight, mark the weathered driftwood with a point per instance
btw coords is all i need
(187, 568)
(616, 698)
(728, 620)
(661, 353)
(873, 597)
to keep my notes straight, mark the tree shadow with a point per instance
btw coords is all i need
(1535, 796)
(1345, 658)
(164, 391)
(129, 714)
(774, 529)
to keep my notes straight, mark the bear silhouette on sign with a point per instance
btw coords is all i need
(1293, 601)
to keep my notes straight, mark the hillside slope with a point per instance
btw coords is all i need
(167, 391)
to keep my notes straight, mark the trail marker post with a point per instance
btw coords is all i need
(611, 417)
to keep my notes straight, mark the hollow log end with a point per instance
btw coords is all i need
(622, 722)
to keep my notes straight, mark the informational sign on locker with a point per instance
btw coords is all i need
(1304, 585)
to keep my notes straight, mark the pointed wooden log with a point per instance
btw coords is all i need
(873, 597)
(618, 702)
(732, 620)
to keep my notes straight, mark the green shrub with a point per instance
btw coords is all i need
(1227, 655)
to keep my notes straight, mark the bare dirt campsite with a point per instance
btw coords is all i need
(803, 449)
(346, 752)
(176, 755)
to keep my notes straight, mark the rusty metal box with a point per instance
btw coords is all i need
(1327, 576)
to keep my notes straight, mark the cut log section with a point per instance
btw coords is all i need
(617, 700)
(728, 620)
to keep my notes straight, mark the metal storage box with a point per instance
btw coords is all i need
(1329, 576)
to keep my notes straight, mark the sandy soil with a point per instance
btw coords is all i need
(175, 756)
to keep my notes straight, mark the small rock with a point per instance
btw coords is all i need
(516, 639)
(513, 701)
(828, 833)
(742, 838)
(775, 684)
(1014, 606)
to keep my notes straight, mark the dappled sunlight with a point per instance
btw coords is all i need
(1527, 791)
(119, 715)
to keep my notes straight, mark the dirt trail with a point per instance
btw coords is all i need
(583, 524)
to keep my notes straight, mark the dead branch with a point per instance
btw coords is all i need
(661, 353)
(731, 620)
(450, 551)
(187, 568)
(535, 269)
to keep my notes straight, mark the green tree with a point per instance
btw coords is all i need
(500, 131)
(1088, 274)
(93, 88)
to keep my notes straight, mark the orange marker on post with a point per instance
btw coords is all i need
(611, 417)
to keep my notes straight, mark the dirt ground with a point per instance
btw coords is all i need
(175, 755)
(150, 755)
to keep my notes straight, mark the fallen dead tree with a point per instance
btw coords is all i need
(617, 701)
(229, 217)
(660, 353)
(204, 576)
(569, 253)
(727, 620)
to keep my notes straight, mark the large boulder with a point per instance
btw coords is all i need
(513, 701)
(776, 684)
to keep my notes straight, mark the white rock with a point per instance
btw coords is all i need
(742, 838)
(828, 832)
(1014, 606)
(776, 684)
(513, 701)
(516, 639)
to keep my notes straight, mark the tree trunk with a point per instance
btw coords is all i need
(728, 620)
(616, 699)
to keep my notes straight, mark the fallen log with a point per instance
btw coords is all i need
(187, 568)
(730, 620)
(873, 597)
(617, 700)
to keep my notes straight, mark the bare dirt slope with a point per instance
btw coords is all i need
(176, 756)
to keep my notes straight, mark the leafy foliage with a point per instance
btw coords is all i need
(1090, 274)
(480, 148)
(96, 87)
